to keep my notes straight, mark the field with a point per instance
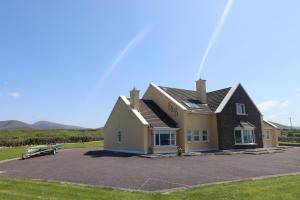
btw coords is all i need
(279, 188)
(15, 152)
(289, 137)
(33, 136)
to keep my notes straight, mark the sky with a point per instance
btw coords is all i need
(68, 61)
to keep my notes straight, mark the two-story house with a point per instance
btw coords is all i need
(166, 118)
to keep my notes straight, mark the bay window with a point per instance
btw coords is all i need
(244, 136)
(164, 137)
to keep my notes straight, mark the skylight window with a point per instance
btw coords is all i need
(191, 105)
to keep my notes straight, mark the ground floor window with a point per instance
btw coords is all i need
(119, 137)
(189, 136)
(196, 135)
(205, 136)
(244, 136)
(164, 137)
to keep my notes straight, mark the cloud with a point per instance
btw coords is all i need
(298, 90)
(14, 94)
(285, 104)
(272, 104)
(215, 34)
(110, 69)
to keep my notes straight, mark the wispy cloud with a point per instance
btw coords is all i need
(14, 94)
(272, 104)
(215, 34)
(111, 68)
(298, 90)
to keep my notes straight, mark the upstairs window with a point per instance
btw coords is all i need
(240, 109)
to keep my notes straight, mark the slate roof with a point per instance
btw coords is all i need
(266, 125)
(185, 97)
(154, 115)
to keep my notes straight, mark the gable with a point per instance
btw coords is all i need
(232, 92)
(238, 95)
(122, 103)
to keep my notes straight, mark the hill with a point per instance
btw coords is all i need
(41, 125)
(282, 126)
(14, 124)
(52, 125)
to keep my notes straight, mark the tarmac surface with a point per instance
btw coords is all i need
(131, 172)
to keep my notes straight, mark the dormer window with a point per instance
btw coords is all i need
(240, 109)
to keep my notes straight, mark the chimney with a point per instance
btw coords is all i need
(135, 99)
(201, 91)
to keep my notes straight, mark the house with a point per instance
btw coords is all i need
(195, 120)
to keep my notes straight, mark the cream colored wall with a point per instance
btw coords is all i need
(275, 136)
(134, 132)
(202, 122)
(170, 108)
(273, 141)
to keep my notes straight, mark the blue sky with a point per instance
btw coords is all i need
(68, 61)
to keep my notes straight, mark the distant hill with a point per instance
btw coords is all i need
(43, 125)
(281, 126)
(53, 125)
(14, 124)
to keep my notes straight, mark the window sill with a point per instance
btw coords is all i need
(241, 114)
(245, 144)
(161, 146)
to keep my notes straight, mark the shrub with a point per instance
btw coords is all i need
(179, 151)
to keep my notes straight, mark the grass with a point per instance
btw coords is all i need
(287, 188)
(292, 143)
(15, 152)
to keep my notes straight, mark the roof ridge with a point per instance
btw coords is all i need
(219, 90)
(226, 88)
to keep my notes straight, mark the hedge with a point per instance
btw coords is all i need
(48, 140)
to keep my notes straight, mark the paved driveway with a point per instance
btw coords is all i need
(95, 167)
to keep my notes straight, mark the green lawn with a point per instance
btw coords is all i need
(14, 152)
(281, 188)
(289, 143)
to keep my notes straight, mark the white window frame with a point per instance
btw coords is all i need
(119, 137)
(197, 134)
(158, 132)
(207, 136)
(243, 130)
(189, 135)
(240, 109)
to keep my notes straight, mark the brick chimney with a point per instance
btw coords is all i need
(135, 99)
(201, 91)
